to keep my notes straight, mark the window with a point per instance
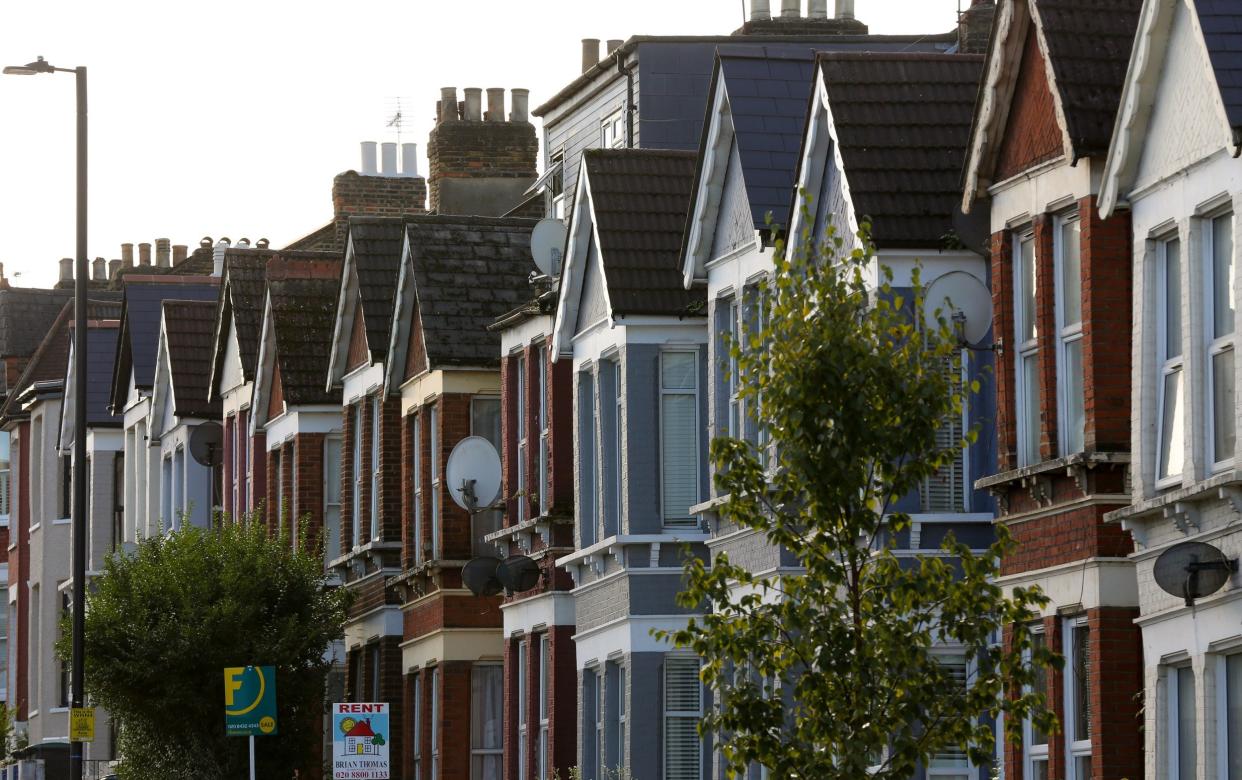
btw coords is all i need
(65, 684)
(178, 496)
(683, 706)
(282, 503)
(679, 436)
(356, 504)
(65, 508)
(1067, 258)
(1034, 740)
(945, 490)
(523, 502)
(232, 433)
(1219, 279)
(331, 498)
(433, 424)
(544, 430)
(416, 726)
(373, 672)
(588, 445)
(1027, 338)
(751, 325)
(1232, 720)
(435, 724)
(523, 708)
(1077, 676)
(1183, 757)
(416, 447)
(600, 708)
(35, 640)
(951, 763)
(541, 756)
(166, 501)
(376, 423)
(118, 500)
(590, 724)
(486, 721)
(623, 711)
(5, 478)
(610, 446)
(1171, 410)
(728, 404)
(243, 444)
(485, 422)
(356, 683)
(557, 189)
(614, 734)
(612, 131)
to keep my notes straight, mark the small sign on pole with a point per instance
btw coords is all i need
(360, 738)
(82, 724)
(250, 703)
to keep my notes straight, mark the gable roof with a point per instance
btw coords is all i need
(241, 304)
(303, 312)
(140, 327)
(101, 339)
(902, 122)
(188, 330)
(1221, 22)
(1086, 45)
(26, 313)
(377, 245)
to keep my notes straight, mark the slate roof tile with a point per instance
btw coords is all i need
(377, 243)
(1221, 22)
(190, 329)
(304, 313)
(241, 299)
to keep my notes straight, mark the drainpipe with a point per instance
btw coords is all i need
(629, 98)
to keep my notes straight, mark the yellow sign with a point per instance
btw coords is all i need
(82, 724)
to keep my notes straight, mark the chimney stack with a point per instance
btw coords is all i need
(163, 251)
(474, 104)
(614, 44)
(114, 268)
(127, 255)
(388, 159)
(217, 256)
(495, 104)
(180, 252)
(974, 27)
(368, 158)
(817, 9)
(99, 270)
(448, 104)
(590, 53)
(845, 9)
(791, 9)
(144, 254)
(66, 269)
(760, 11)
(519, 102)
(409, 160)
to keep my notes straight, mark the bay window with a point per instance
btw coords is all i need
(1219, 280)
(588, 445)
(679, 436)
(356, 499)
(541, 755)
(416, 726)
(416, 449)
(376, 422)
(1067, 258)
(1180, 720)
(486, 721)
(434, 687)
(433, 426)
(1170, 406)
(519, 366)
(1034, 740)
(610, 400)
(523, 673)
(683, 706)
(331, 498)
(1077, 676)
(1027, 384)
(544, 431)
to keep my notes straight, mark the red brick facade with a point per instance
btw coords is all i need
(19, 572)
(1033, 136)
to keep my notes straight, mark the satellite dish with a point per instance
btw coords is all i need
(207, 444)
(479, 575)
(962, 299)
(473, 473)
(1193, 570)
(518, 573)
(547, 244)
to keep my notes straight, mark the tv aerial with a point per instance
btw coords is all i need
(547, 245)
(473, 474)
(206, 444)
(966, 301)
(479, 576)
(1193, 570)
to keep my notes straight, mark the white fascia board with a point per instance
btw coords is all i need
(361, 381)
(261, 389)
(402, 319)
(709, 188)
(555, 608)
(302, 419)
(532, 330)
(632, 634)
(582, 232)
(997, 90)
(346, 302)
(820, 130)
(105, 440)
(384, 621)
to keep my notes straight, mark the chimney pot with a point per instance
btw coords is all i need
(791, 9)
(127, 255)
(114, 268)
(99, 270)
(144, 254)
(817, 9)
(845, 9)
(448, 104)
(263, 243)
(519, 102)
(163, 250)
(590, 53)
(217, 256)
(495, 104)
(179, 252)
(760, 10)
(368, 158)
(205, 241)
(66, 269)
(409, 160)
(474, 104)
(614, 44)
(388, 158)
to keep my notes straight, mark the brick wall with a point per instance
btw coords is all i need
(477, 150)
(347, 477)
(391, 688)
(356, 195)
(562, 702)
(1032, 135)
(1107, 289)
(308, 501)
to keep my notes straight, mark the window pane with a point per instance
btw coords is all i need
(486, 727)
(1076, 419)
(1233, 715)
(1027, 329)
(1223, 425)
(680, 455)
(1071, 273)
(485, 420)
(1223, 304)
(1082, 768)
(1030, 382)
(1039, 770)
(1171, 422)
(1186, 723)
(1040, 685)
(678, 369)
(1172, 298)
(1082, 682)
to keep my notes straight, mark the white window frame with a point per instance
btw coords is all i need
(1075, 746)
(1166, 365)
(588, 449)
(356, 499)
(1032, 753)
(668, 714)
(232, 432)
(497, 752)
(435, 723)
(556, 184)
(1028, 440)
(542, 763)
(416, 748)
(618, 483)
(1222, 712)
(523, 707)
(433, 425)
(1171, 714)
(612, 130)
(1215, 345)
(523, 502)
(243, 441)
(416, 433)
(601, 715)
(957, 655)
(376, 465)
(331, 540)
(687, 521)
(1068, 333)
(545, 438)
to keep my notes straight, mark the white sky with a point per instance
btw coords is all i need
(231, 117)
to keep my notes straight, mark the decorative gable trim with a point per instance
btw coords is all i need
(582, 232)
(709, 185)
(405, 333)
(266, 371)
(820, 133)
(342, 329)
(162, 393)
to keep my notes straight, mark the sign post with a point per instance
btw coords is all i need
(250, 703)
(82, 724)
(360, 741)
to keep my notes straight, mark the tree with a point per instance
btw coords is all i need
(832, 671)
(164, 622)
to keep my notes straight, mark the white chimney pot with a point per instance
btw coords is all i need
(409, 160)
(388, 158)
(368, 158)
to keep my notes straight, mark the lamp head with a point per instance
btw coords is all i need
(29, 69)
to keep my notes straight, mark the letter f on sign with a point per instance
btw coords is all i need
(232, 683)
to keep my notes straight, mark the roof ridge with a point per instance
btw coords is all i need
(855, 56)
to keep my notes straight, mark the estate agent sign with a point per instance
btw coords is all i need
(360, 741)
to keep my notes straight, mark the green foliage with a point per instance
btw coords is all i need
(164, 622)
(831, 670)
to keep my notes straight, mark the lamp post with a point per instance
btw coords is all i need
(80, 277)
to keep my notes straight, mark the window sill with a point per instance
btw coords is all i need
(63, 521)
(614, 545)
(1089, 459)
(1178, 506)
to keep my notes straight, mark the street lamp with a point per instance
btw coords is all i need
(79, 400)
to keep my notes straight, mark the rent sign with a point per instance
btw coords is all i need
(360, 741)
